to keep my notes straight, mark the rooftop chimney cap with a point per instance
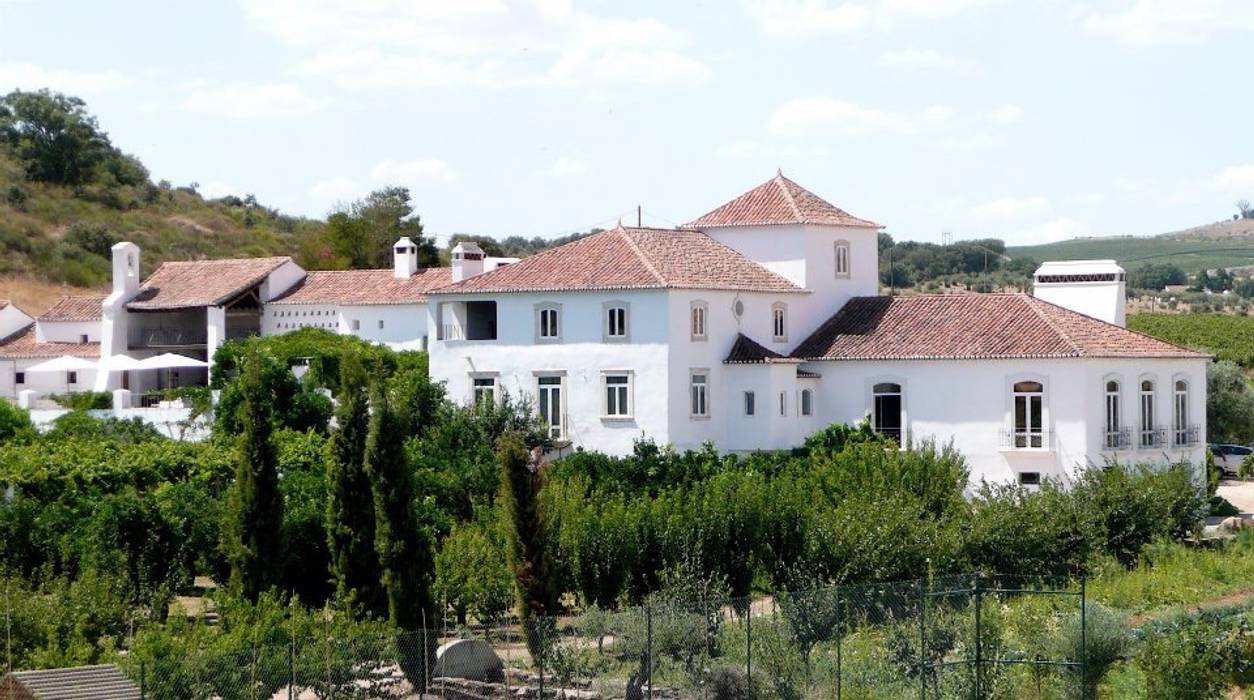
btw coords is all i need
(467, 250)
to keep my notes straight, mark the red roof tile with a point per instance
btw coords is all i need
(349, 287)
(79, 308)
(972, 326)
(193, 283)
(630, 258)
(778, 201)
(22, 345)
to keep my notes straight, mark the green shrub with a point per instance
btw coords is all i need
(471, 573)
(14, 422)
(1192, 658)
(1246, 470)
(1102, 643)
(84, 400)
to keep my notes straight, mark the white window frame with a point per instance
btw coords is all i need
(607, 325)
(699, 404)
(779, 322)
(875, 394)
(841, 260)
(475, 378)
(699, 320)
(1180, 401)
(627, 394)
(1029, 438)
(750, 404)
(543, 309)
(1147, 413)
(1112, 422)
(556, 431)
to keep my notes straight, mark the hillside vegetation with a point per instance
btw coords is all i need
(1228, 337)
(1222, 244)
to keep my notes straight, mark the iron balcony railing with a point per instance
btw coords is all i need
(166, 337)
(450, 331)
(1021, 439)
(1186, 436)
(1118, 439)
(1151, 438)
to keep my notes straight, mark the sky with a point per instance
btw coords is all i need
(1028, 120)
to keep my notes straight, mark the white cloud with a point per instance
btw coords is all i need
(927, 60)
(1150, 22)
(817, 17)
(564, 167)
(261, 101)
(401, 44)
(1007, 115)
(1231, 181)
(826, 114)
(337, 189)
(28, 76)
(1011, 207)
(416, 171)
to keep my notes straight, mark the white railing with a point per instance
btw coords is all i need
(1027, 440)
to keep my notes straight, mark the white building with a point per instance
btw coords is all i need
(760, 322)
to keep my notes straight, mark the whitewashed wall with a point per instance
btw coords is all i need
(402, 323)
(67, 331)
(12, 320)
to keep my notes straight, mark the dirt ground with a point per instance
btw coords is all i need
(1238, 493)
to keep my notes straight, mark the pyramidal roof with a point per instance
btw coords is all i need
(778, 201)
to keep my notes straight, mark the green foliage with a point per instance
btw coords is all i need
(350, 516)
(472, 575)
(361, 235)
(1244, 471)
(59, 142)
(1156, 276)
(522, 478)
(1229, 404)
(294, 404)
(1195, 657)
(14, 423)
(253, 529)
(907, 262)
(1226, 336)
(92, 236)
(1103, 642)
(1190, 252)
(84, 400)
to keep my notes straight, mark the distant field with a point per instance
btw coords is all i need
(1227, 337)
(1192, 253)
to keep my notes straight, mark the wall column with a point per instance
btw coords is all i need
(215, 331)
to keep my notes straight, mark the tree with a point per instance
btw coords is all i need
(1156, 276)
(389, 215)
(522, 478)
(255, 507)
(1246, 211)
(350, 501)
(59, 142)
(1229, 404)
(1202, 282)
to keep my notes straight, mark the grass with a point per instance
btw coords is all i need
(1227, 337)
(1192, 253)
(1173, 576)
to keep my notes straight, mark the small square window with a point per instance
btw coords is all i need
(1029, 478)
(356, 324)
(82, 338)
(19, 378)
(71, 377)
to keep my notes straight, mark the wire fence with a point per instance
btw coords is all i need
(973, 636)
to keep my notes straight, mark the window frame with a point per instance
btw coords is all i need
(779, 322)
(1113, 418)
(878, 389)
(1147, 413)
(704, 397)
(1035, 405)
(1181, 403)
(19, 376)
(783, 404)
(628, 389)
(838, 248)
(699, 309)
(607, 310)
(805, 403)
(547, 307)
(750, 404)
(475, 378)
(558, 431)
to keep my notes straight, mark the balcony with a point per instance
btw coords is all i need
(1186, 436)
(138, 338)
(1120, 439)
(1151, 438)
(1017, 440)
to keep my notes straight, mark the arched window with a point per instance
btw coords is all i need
(616, 326)
(886, 410)
(699, 313)
(807, 402)
(1183, 434)
(1114, 418)
(779, 321)
(842, 259)
(1149, 432)
(1029, 420)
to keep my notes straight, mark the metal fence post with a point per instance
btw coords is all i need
(979, 631)
(1084, 634)
(291, 668)
(749, 646)
(922, 641)
(540, 654)
(648, 631)
(840, 638)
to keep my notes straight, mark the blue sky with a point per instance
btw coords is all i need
(1031, 121)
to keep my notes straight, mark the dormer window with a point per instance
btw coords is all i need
(842, 259)
(779, 322)
(548, 323)
(699, 315)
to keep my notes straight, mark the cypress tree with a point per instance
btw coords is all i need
(354, 566)
(522, 478)
(252, 536)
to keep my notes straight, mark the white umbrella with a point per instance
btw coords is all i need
(120, 363)
(65, 363)
(170, 360)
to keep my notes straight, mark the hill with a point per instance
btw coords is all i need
(1222, 244)
(1226, 336)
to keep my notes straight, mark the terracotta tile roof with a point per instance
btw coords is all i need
(22, 345)
(778, 201)
(78, 308)
(82, 683)
(192, 283)
(630, 258)
(746, 351)
(348, 287)
(972, 326)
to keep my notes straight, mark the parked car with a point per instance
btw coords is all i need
(1229, 457)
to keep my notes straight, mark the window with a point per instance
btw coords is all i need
(1029, 478)
(19, 378)
(549, 389)
(1029, 406)
(750, 403)
(356, 324)
(548, 322)
(82, 338)
(699, 386)
(617, 395)
(779, 321)
(783, 403)
(842, 259)
(1182, 434)
(807, 401)
(1149, 435)
(615, 328)
(698, 325)
(484, 391)
(71, 377)
(1114, 434)
(380, 324)
(886, 409)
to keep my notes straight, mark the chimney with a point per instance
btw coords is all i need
(125, 268)
(1090, 287)
(404, 259)
(467, 261)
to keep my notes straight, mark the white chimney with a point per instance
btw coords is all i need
(467, 261)
(125, 268)
(1092, 287)
(404, 259)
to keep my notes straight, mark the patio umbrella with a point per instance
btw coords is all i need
(170, 360)
(65, 364)
(120, 363)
